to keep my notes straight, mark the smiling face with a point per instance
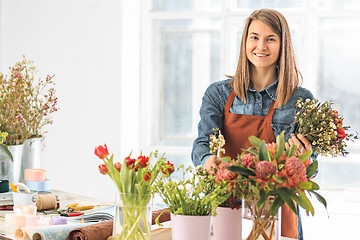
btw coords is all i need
(262, 45)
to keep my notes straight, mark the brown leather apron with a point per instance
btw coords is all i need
(237, 128)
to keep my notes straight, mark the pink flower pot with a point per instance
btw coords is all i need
(227, 224)
(185, 227)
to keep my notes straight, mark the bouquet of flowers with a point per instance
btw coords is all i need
(273, 176)
(196, 196)
(323, 127)
(223, 175)
(26, 103)
(134, 179)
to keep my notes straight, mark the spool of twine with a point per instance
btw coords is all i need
(45, 201)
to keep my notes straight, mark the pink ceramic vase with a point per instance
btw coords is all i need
(227, 224)
(185, 227)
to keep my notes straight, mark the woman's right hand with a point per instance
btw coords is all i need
(211, 164)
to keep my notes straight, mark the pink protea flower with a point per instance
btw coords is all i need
(271, 147)
(224, 174)
(247, 160)
(265, 170)
(296, 170)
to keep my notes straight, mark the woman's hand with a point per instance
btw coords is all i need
(301, 143)
(211, 164)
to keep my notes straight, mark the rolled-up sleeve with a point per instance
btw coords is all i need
(211, 117)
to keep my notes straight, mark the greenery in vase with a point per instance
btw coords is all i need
(26, 103)
(3, 146)
(198, 195)
(134, 179)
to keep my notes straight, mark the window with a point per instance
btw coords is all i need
(189, 44)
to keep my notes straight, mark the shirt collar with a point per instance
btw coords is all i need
(270, 90)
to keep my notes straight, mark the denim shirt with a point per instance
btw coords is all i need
(258, 103)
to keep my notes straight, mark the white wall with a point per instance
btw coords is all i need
(84, 43)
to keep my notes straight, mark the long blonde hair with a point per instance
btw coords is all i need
(287, 71)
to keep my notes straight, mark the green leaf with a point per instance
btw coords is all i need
(285, 195)
(5, 149)
(263, 156)
(236, 168)
(320, 198)
(305, 156)
(311, 169)
(255, 141)
(315, 186)
(276, 205)
(304, 202)
(226, 159)
(262, 198)
(280, 142)
(305, 185)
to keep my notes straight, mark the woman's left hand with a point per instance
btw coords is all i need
(301, 143)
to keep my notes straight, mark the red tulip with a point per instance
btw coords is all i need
(118, 165)
(103, 169)
(147, 176)
(130, 163)
(102, 151)
(168, 168)
(143, 161)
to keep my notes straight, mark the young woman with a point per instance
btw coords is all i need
(259, 100)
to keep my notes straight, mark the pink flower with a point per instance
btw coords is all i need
(296, 170)
(224, 174)
(271, 147)
(247, 160)
(265, 170)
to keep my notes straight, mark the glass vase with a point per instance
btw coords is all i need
(133, 216)
(258, 223)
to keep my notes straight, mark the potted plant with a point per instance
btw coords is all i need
(26, 106)
(191, 202)
(228, 219)
(134, 179)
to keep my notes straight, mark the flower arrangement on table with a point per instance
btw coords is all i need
(26, 103)
(273, 176)
(197, 195)
(134, 179)
(323, 127)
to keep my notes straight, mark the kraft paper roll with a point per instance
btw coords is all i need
(41, 186)
(34, 175)
(4, 186)
(46, 201)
